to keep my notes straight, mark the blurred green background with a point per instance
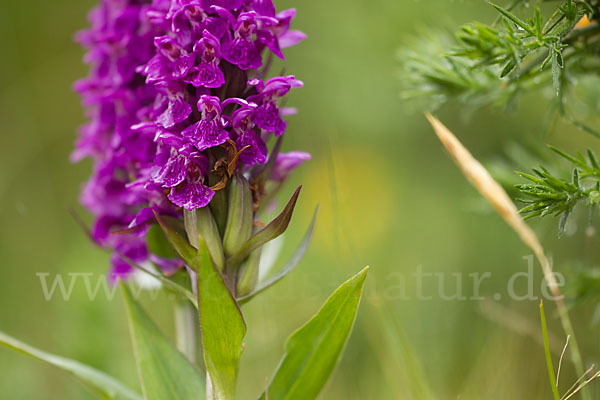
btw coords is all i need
(390, 198)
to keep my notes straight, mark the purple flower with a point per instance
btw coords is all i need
(243, 126)
(207, 72)
(264, 7)
(190, 20)
(183, 169)
(286, 37)
(286, 162)
(209, 131)
(177, 108)
(171, 171)
(268, 115)
(241, 48)
(192, 193)
(171, 62)
(278, 36)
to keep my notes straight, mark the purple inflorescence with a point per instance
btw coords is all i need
(176, 91)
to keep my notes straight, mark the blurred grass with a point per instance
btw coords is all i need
(389, 197)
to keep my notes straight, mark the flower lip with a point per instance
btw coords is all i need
(207, 102)
(168, 47)
(241, 118)
(209, 131)
(192, 193)
(173, 170)
(208, 47)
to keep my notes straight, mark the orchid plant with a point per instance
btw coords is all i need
(185, 129)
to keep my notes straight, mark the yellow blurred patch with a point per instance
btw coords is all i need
(353, 187)
(583, 22)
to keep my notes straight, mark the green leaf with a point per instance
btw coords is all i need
(275, 228)
(288, 266)
(170, 283)
(163, 371)
(556, 70)
(562, 224)
(514, 19)
(565, 155)
(313, 350)
(101, 384)
(221, 321)
(157, 244)
(593, 160)
(222, 324)
(181, 246)
(507, 68)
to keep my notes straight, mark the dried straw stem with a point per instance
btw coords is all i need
(495, 194)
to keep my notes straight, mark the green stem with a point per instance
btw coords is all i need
(551, 374)
(563, 313)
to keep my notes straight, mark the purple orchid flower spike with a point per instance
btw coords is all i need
(268, 115)
(207, 73)
(167, 88)
(210, 130)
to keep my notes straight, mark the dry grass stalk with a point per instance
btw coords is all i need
(495, 194)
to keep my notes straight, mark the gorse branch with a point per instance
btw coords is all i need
(492, 64)
(547, 194)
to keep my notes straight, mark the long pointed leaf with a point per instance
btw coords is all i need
(101, 384)
(159, 276)
(313, 350)
(288, 266)
(514, 19)
(164, 372)
(178, 243)
(275, 228)
(221, 321)
(223, 327)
